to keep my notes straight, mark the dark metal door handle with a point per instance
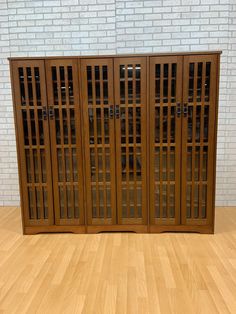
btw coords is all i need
(178, 110)
(111, 112)
(117, 111)
(44, 113)
(51, 112)
(185, 109)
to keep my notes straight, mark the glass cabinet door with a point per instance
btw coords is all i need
(65, 132)
(198, 138)
(165, 139)
(130, 117)
(99, 140)
(33, 141)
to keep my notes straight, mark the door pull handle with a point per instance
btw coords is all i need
(178, 110)
(185, 109)
(111, 112)
(51, 112)
(117, 111)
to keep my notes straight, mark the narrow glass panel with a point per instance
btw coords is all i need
(157, 164)
(165, 90)
(139, 201)
(25, 127)
(106, 126)
(43, 165)
(130, 92)
(97, 72)
(105, 93)
(172, 201)
(99, 126)
(138, 125)
(36, 166)
(62, 202)
(122, 92)
(57, 125)
(138, 71)
(165, 125)
(172, 163)
(45, 202)
(205, 162)
(199, 82)
(172, 126)
(204, 200)
(63, 85)
(55, 89)
(72, 126)
(190, 124)
(31, 203)
(74, 162)
(197, 163)
(157, 201)
(40, 127)
(76, 202)
(69, 205)
(196, 200)
(38, 203)
(207, 81)
(37, 85)
(30, 87)
(60, 165)
(206, 124)
(33, 127)
(164, 200)
(70, 83)
(188, 200)
(157, 124)
(198, 124)
(124, 202)
(28, 166)
(191, 82)
(22, 86)
(164, 163)
(65, 126)
(189, 164)
(67, 164)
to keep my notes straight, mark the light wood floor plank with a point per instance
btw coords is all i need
(118, 272)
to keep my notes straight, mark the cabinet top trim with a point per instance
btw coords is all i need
(120, 55)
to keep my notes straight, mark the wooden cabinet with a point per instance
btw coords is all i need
(117, 143)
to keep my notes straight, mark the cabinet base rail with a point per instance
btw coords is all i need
(117, 228)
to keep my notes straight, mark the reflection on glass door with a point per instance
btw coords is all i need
(130, 117)
(33, 138)
(65, 130)
(198, 138)
(165, 139)
(98, 117)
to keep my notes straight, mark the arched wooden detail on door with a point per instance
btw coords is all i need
(198, 139)
(165, 139)
(64, 112)
(33, 141)
(130, 117)
(99, 140)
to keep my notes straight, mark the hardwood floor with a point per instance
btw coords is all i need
(118, 272)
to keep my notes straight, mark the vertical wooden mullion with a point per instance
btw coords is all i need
(127, 140)
(201, 137)
(193, 137)
(62, 140)
(69, 139)
(38, 144)
(168, 139)
(103, 142)
(95, 140)
(30, 141)
(161, 136)
(134, 141)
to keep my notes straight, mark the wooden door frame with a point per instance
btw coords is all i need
(143, 105)
(20, 143)
(156, 223)
(211, 140)
(77, 108)
(109, 63)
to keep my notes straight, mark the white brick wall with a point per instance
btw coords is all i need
(87, 27)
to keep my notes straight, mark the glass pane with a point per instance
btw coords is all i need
(207, 81)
